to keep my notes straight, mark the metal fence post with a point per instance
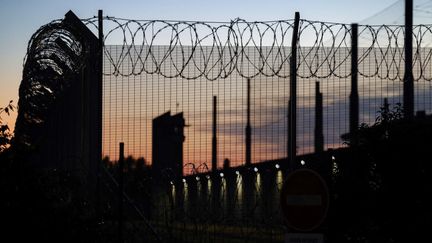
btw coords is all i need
(214, 141)
(354, 97)
(98, 86)
(292, 114)
(319, 136)
(408, 85)
(120, 192)
(248, 141)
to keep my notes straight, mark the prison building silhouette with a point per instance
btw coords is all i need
(168, 138)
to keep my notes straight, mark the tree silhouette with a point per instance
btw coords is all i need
(382, 190)
(5, 134)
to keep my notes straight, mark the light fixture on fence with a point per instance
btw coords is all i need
(221, 174)
(172, 183)
(302, 162)
(255, 169)
(184, 180)
(237, 172)
(197, 178)
(277, 166)
(333, 158)
(208, 177)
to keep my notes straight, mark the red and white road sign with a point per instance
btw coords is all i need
(304, 200)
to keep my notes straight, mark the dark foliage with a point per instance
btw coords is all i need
(382, 187)
(42, 205)
(50, 205)
(5, 133)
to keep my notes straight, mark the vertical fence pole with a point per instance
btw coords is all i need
(292, 119)
(289, 131)
(120, 192)
(408, 85)
(248, 126)
(99, 113)
(354, 97)
(214, 142)
(319, 137)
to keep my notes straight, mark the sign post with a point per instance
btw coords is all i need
(304, 203)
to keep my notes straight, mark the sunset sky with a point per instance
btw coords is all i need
(20, 19)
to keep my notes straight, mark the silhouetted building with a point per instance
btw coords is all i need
(168, 138)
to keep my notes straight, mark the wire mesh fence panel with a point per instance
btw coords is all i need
(131, 103)
(168, 69)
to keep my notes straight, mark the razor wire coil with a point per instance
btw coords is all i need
(216, 50)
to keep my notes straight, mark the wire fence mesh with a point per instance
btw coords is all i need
(178, 66)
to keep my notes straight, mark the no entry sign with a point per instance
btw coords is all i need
(304, 200)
